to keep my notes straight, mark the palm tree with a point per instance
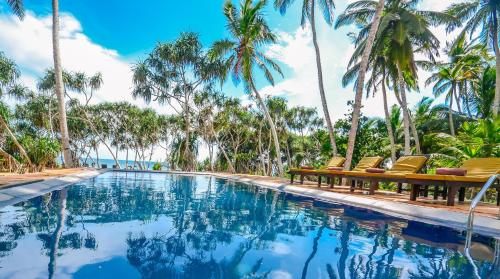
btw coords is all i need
(308, 13)
(403, 31)
(481, 14)
(446, 80)
(59, 88)
(348, 17)
(17, 7)
(250, 32)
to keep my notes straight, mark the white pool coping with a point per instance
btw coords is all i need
(482, 225)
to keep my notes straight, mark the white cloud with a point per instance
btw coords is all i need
(29, 43)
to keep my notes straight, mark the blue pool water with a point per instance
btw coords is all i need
(144, 225)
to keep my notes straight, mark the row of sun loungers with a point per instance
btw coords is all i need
(446, 182)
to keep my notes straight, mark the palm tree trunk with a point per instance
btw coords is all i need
(126, 159)
(390, 132)
(450, 112)
(496, 101)
(16, 143)
(406, 114)
(361, 82)
(415, 133)
(270, 121)
(320, 82)
(59, 89)
(187, 151)
(221, 148)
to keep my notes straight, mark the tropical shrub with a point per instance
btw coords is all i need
(42, 150)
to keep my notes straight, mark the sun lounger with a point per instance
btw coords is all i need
(363, 164)
(335, 162)
(477, 172)
(403, 166)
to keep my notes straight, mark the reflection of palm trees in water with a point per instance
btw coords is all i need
(157, 255)
(56, 236)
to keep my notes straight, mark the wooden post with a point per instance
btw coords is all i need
(452, 192)
(373, 187)
(415, 189)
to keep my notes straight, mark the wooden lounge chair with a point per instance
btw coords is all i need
(335, 162)
(478, 170)
(363, 164)
(403, 166)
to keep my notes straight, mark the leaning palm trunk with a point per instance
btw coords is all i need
(272, 127)
(388, 124)
(406, 114)
(59, 89)
(360, 84)
(16, 143)
(320, 82)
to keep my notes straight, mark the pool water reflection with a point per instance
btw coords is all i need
(137, 225)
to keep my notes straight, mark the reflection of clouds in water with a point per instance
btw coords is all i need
(281, 249)
(280, 274)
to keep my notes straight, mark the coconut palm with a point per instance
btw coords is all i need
(17, 7)
(243, 54)
(403, 31)
(348, 17)
(446, 81)
(308, 14)
(59, 88)
(482, 15)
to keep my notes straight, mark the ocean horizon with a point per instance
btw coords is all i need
(111, 162)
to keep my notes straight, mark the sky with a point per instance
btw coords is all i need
(110, 36)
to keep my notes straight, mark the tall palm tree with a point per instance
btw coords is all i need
(483, 15)
(446, 80)
(59, 89)
(17, 7)
(308, 13)
(372, 29)
(403, 31)
(249, 32)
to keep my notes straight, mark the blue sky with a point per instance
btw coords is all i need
(109, 36)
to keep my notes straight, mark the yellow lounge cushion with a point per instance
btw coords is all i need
(368, 162)
(408, 164)
(451, 178)
(336, 162)
(481, 167)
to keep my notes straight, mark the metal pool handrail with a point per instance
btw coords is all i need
(470, 220)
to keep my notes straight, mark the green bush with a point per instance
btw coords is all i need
(41, 150)
(157, 166)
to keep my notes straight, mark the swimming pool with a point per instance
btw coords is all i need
(152, 225)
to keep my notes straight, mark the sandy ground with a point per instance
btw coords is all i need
(9, 179)
(489, 210)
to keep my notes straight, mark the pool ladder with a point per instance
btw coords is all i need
(470, 226)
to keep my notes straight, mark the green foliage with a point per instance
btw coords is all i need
(42, 150)
(157, 166)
